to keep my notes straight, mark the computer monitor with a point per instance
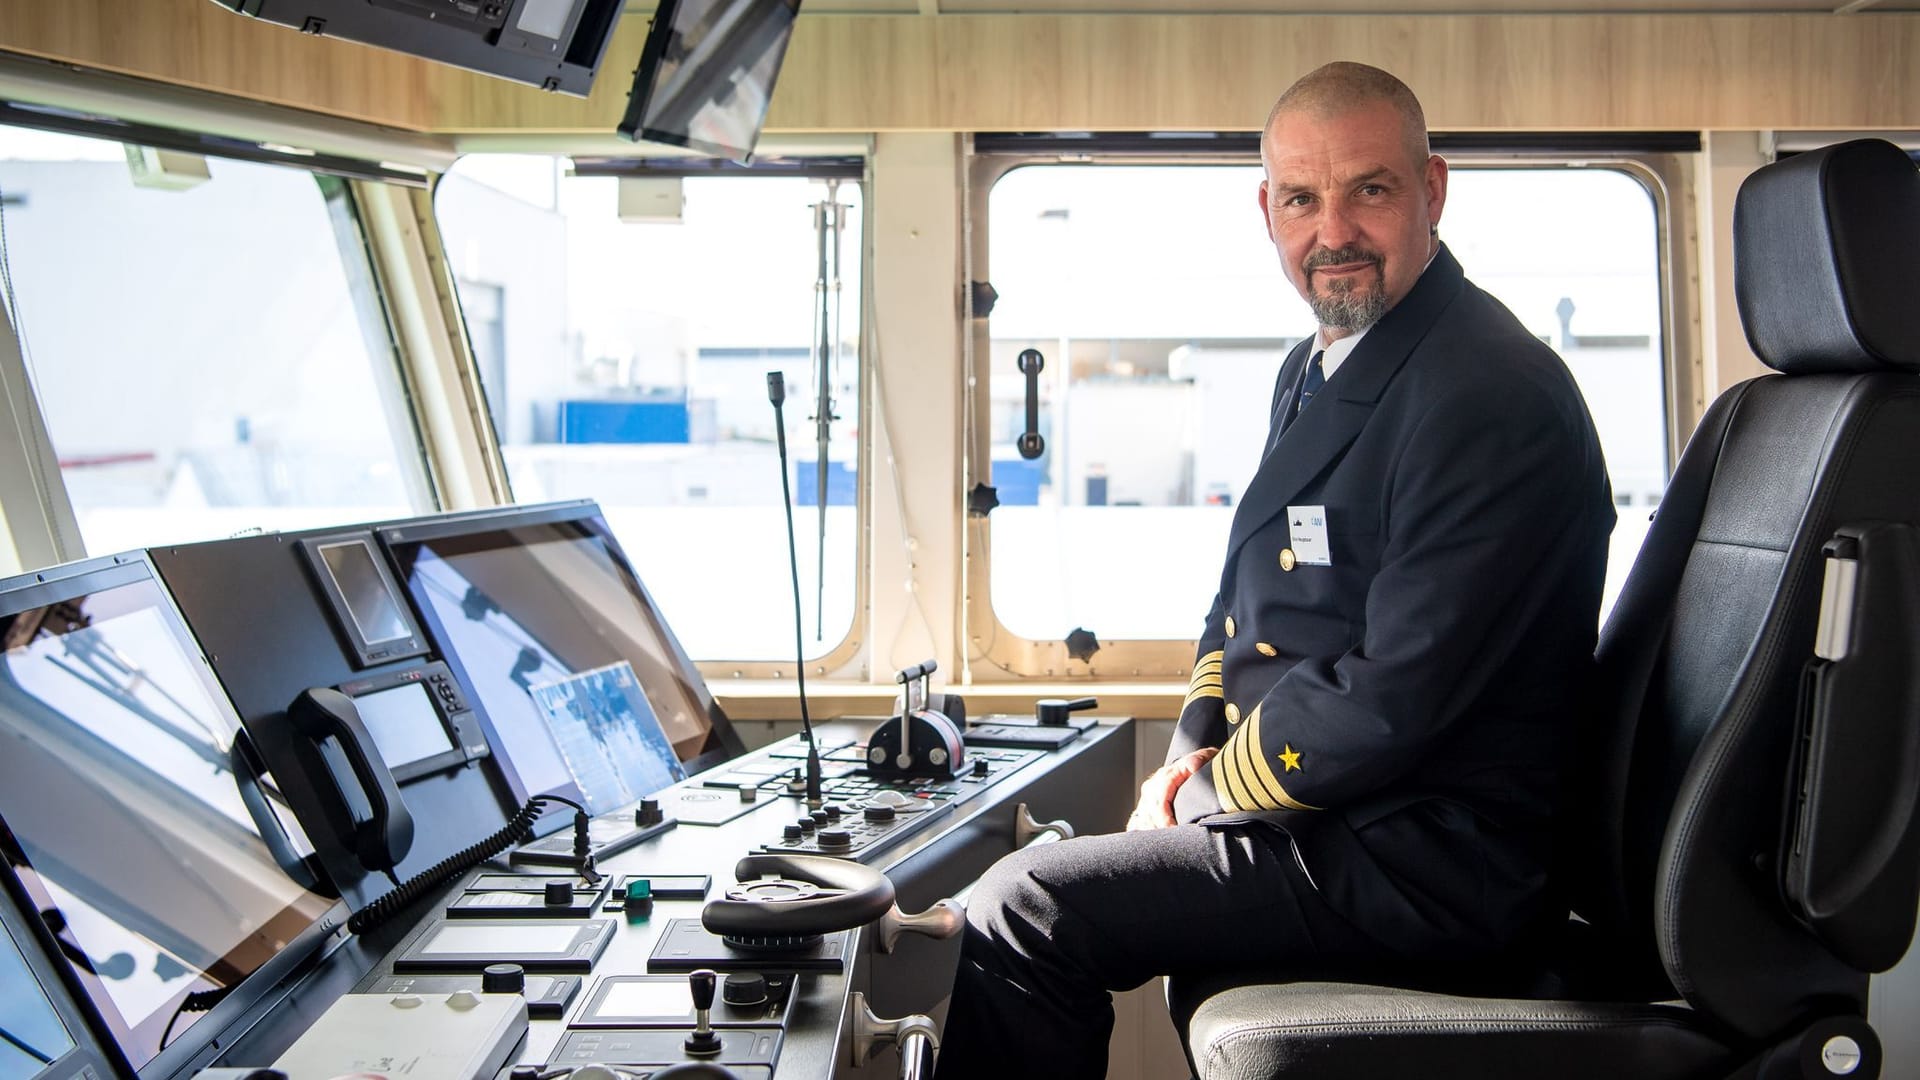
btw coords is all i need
(134, 818)
(541, 616)
(706, 74)
(553, 44)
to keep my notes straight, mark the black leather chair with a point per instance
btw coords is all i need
(1744, 851)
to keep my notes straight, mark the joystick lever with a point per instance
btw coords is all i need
(703, 1042)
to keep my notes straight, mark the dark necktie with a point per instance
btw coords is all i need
(1316, 378)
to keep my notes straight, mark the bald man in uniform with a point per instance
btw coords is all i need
(1365, 767)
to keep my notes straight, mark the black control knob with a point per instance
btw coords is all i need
(878, 813)
(835, 839)
(503, 979)
(1053, 711)
(559, 893)
(791, 832)
(702, 983)
(525, 1072)
(980, 767)
(648, 814)
(833, 812)
(745, 988)
(820, 817)
(806, 824)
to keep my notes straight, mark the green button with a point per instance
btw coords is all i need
(639, 889)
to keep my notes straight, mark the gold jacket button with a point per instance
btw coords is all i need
(1229, 626)
(1287, 559)
(1265, 649)
(1233, 713)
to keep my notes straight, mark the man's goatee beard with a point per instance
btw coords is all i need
(1342, 308)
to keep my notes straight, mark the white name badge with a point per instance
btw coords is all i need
(1308, 526)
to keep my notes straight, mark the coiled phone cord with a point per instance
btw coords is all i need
(517, 830)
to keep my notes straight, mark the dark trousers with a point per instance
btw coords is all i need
(1052, 931)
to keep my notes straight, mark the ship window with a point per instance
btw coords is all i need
(1162, 316)
(624, 328)
(191, 330)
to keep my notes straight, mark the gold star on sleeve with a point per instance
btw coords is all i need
(1243, 773)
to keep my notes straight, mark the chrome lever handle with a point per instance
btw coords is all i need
(1026, 830)
(941, 921)
(915, 1035)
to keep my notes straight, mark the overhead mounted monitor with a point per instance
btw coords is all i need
(706, 74)
(585, 690)
(138, 825)
(553, 44)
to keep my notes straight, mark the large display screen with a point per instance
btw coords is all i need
(545, 620)
(121, 791)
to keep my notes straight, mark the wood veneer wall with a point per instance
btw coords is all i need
(1051, 72)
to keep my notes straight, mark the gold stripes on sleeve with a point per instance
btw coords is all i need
(1245, 778)
(1206, 679)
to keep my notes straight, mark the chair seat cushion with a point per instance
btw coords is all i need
(1337, 1031)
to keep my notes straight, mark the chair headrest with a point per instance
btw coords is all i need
(1826, 260)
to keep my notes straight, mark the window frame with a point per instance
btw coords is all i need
(996, 653)
(844, 656)
(37, 516)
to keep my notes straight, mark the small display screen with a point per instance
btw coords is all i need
(372, 606)
(542, 618)
(532, 939)
(404, 724)
(548, 18)
(122, 790)
(707, 71)
(608, 736)
(31, 1034)
(667, 998)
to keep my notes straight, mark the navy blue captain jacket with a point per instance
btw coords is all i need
(1404, 714)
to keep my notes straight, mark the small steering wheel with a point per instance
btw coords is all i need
(805, 895)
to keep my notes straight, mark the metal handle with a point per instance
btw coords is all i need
(941, 921)
(915, 1035)
(917, 1053)
(1028, 831)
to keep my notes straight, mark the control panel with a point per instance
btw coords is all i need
(866, 815)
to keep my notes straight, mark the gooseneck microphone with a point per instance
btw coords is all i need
(777, 393)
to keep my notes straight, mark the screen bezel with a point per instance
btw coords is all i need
(365, 653)
(195, 1045)
(401, 543)
(67, 1002)
(633, 123)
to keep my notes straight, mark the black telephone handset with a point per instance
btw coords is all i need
(382, 836)
(248, 776)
